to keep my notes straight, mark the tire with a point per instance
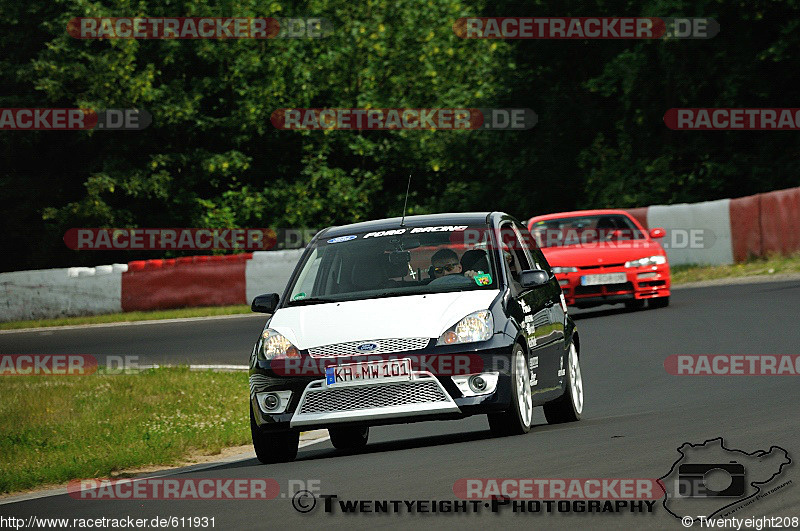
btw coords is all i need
(634, 305)
(517, 419)
(569, 406)
(660, 302)
(277, 447)
(349, 438)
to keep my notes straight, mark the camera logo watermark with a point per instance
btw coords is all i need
(585, 28)
(727, 119)
(733, 364)
(198, 28)
(708, 478)
(404, 118)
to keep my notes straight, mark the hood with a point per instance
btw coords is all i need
(593, 255)
(427, 315)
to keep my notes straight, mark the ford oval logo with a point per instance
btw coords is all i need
(341, 239)
(367, 347)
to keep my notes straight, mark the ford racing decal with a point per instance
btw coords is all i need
(416, 230)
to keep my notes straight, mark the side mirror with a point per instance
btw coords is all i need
(534, 278)
(265, 303)
(657, 233)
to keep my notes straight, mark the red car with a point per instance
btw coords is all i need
(604, 257)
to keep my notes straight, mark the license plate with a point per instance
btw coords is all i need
(368, 372)
(606, 278)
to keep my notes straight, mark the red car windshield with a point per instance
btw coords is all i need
(563, 232)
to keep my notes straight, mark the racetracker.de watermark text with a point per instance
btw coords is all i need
(733, 364)
(585, 28)
(404, 118)
(198, 28)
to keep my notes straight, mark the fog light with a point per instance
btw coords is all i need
(271, 402)
(563, 282)
(477, 384)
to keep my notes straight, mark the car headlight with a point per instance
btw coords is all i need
(647, 261)
(478, 326)
(558, 270)
(272, 344)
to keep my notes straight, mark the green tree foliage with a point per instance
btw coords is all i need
(212, 157)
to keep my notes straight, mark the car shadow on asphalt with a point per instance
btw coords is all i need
(603, 311)
(372, 448)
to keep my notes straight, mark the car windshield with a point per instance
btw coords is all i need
(408, 261)
(582, 230)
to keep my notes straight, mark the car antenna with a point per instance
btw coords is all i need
(408, 187)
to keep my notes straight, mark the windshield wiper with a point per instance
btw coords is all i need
(310, 300)
(391, 293)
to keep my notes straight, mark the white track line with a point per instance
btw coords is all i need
(195, 367)
(131, 323)
(739, 281)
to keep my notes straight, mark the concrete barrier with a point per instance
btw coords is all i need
(269, 271)
(704, 229)
(745, 215)
(208, 283)
(780, 220)
(69, 292)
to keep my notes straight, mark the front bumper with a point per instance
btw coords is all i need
(424, 395)
(427, 396)
(641, 283)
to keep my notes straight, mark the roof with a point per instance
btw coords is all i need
(578, 213)
(458, 218)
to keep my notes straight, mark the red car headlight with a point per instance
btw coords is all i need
(558, 269)
(647, 261)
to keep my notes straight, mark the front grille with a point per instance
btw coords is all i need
(384, 346)
(586, 290)
(367, 397)
(603, 289)
(601, 266)
(652, 283)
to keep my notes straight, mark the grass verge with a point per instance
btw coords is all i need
(204, 311)
(57, 428)
(770, 265)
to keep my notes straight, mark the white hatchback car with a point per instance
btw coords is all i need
(430, 317)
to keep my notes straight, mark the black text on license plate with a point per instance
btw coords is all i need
(355, 373)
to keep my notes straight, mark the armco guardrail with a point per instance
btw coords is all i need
(730, 229)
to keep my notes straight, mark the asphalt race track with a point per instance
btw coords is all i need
(636, 416)
(227, 340)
